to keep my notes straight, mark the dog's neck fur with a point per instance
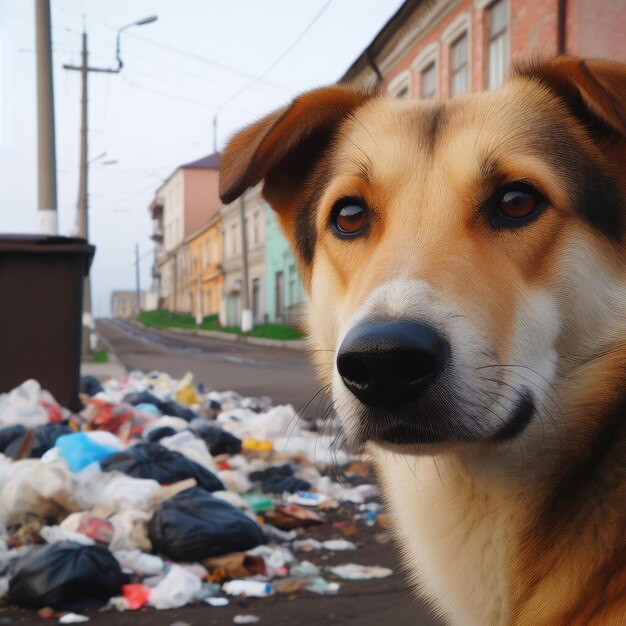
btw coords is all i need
(492, 541)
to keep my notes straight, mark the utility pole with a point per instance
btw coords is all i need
(137, 283)
(246, 313)
(215, 133)
(198, 303)
(83, 194)
(47, 169)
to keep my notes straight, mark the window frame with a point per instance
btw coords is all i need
(461, 25)
(464, 67)
(423, 60)
(488, 39)
(400, 83)
(431, 67)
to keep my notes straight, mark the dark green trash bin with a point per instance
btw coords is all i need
(41, 282)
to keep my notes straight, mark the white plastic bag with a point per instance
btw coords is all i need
(176, 590)
(46, 489)
(21, 406)
(139, 562)
(193, 448)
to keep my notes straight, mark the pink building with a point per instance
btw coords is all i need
(181, 206)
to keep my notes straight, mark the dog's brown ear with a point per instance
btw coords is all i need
(286, 143)
(593, 89)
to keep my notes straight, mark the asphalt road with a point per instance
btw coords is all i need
(285, 376)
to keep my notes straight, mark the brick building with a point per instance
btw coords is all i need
(442, 48)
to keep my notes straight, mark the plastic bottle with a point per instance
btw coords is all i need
(250, 588)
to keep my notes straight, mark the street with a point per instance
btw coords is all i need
(286, 376)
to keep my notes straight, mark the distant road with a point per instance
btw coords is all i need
(284, 375)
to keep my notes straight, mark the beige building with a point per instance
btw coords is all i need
(232, 301)
(124, 303)
(182, 205)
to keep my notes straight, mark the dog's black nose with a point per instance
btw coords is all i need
(390, 364)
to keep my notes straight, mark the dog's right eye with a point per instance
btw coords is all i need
(349, 218)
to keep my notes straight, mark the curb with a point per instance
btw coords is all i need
(113, 368)
(286, 344)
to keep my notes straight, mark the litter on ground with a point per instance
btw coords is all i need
(162, 493)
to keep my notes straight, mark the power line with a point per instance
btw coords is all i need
(198, 57)
(170, 82)
(182, 73)
(279, 59)
(167, 94)
(180, 51)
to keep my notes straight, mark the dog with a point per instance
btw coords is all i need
(465, 263)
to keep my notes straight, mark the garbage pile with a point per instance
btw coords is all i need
(161, 493)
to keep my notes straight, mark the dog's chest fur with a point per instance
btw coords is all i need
(455, 541)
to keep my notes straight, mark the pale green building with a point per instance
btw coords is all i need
(284, 293)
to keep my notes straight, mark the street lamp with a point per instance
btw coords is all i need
(101, 156)
(141, 22)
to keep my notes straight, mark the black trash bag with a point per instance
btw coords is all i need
(43, 438)
(9, 434)
(271, 472)
(90, 385)
(194, 525)
(282, 484)
(159, 433)
(141, 397)
(167, 407)
(152, 460)
(279, 479)
(217, 440)
(66, 576)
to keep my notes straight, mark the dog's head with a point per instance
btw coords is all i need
(460, 257)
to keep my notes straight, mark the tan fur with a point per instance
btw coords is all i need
(529, 530)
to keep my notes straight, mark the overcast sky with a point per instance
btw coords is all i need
(156, 114)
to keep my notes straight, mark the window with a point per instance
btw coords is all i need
(207, 254)
(233, 243)
(497, 47)
(428, 82)
(459, 66)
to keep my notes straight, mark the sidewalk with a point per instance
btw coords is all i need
(113, 368)
(289, 344)
(104, 371)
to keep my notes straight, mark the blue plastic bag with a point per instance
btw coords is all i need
(80, 450)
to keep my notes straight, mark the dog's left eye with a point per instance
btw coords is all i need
(349, 218)
(516, 204)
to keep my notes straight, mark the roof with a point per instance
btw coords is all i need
(384, 35)
(209, 162)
